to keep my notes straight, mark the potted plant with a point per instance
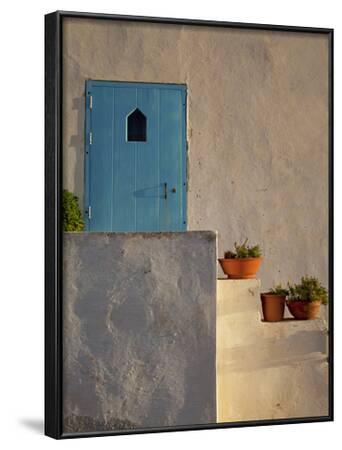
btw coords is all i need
(243, 263)
(305, 298)
(273, 303)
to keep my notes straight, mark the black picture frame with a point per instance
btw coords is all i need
(53, 221)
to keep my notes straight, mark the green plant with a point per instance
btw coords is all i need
(244, 251)
(308, 290)
(279, 290)
(254, 252)
(72, 217)
(241, 250)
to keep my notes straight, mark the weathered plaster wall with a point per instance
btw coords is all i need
(257, 127)
(267, 370)
(139, 330)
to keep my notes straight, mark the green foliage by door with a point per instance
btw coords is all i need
(72, 216)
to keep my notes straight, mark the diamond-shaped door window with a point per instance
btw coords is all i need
(136, 126)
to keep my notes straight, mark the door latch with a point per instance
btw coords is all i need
(173, 190)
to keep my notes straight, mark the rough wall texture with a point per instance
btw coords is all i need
(139, 330)
(257, 127)
(267, 370)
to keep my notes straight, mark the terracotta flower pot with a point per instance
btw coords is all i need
(240, 268)
(304, 310)
(273, 307)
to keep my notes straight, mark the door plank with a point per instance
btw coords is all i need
(147, 192)
(170, 137)
(124, 163)
(100, 157)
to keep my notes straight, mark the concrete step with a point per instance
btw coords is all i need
(267, 370)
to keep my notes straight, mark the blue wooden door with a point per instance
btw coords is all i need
(135, 162)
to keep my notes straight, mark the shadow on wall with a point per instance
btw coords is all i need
(76, 150)
(307, 345)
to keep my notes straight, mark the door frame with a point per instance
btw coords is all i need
(89, 84)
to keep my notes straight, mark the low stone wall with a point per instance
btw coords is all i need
(139, 319)
(267, 370)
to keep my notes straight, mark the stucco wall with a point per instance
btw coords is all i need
(257, 127)
(267, 370)
(139, 330)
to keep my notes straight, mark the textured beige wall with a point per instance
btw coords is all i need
(267, 370)
(257, 127)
